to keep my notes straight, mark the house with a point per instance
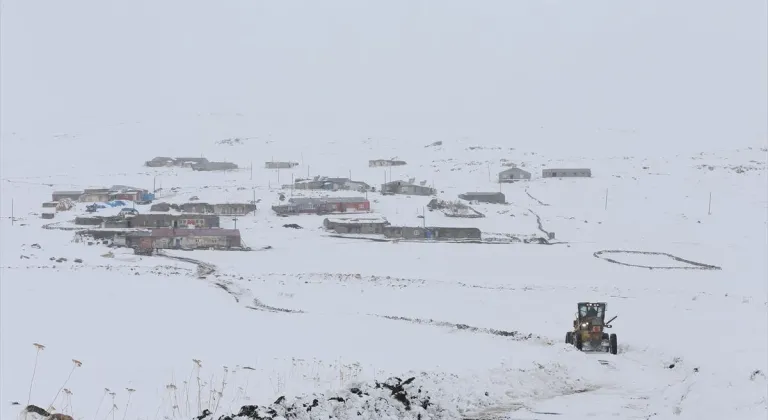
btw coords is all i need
(159, 162)
(484, 197)
(188, 162)
(566, 173)
(233, 209)
(402, 187)
(385, 162)
(214, 166)
(72, 195)
(307, 205)
(164, 207)
(280, 165)
(184, 239)
(96, 195)
(308, 184)
(197, 207)
(321, 183)
(125, 192)
(513, 174)
(432, 233)
(361, 225)
(155, 220)
(358, 186)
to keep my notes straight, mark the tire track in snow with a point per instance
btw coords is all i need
(204, 270)
(692, 265)
(538, 222)
(536, 199)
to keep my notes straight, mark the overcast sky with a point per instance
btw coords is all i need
(693, 70)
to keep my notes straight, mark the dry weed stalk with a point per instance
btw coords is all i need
(106, 391)
(39, 348)
(75, 364)
(221, 391)
(128, 403)
(198, 365)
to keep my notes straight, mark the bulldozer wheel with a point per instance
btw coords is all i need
(614, 348)
(578, 343)
(569, 337)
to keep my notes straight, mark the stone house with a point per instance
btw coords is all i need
(406, 188)
(184, 239)
(233, 209)
(356, 225)
(72, 195)
(566, 173)
(514, 174)
(484, 197)
(214, 166)
(432, 233)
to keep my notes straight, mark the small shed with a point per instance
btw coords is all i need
(566, 173)
(514, 174)
(484, 197)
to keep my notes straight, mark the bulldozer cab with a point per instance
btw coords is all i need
(592, 313)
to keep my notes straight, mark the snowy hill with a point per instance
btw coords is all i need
(670, 230)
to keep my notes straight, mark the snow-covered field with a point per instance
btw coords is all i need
(91, 90)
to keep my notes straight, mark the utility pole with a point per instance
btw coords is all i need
(13, 219)
(278, 175)
(251, 170)
(235, 220)
(307, 171)
(154, 184)
(302, 158)
(489, 172)
(606, 198)
(350, 174)
(291, 184)
(424, 216)
(709, 209)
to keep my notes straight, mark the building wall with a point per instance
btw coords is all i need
(72, 196)
(280, 165)
(97, 198)
(566, 173)
(484, 198)
(514, 175)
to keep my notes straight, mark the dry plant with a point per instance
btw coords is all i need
(128, 403)
(221, 391)
(75, 364)
(198, 365)
(114, 407)
(104, 395)
(39, 348)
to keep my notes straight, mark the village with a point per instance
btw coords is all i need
(132, 217)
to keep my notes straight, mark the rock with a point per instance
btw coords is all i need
(78, 260)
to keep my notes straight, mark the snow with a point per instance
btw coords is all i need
(671, 122)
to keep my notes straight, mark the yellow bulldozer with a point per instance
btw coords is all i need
(588, 332)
